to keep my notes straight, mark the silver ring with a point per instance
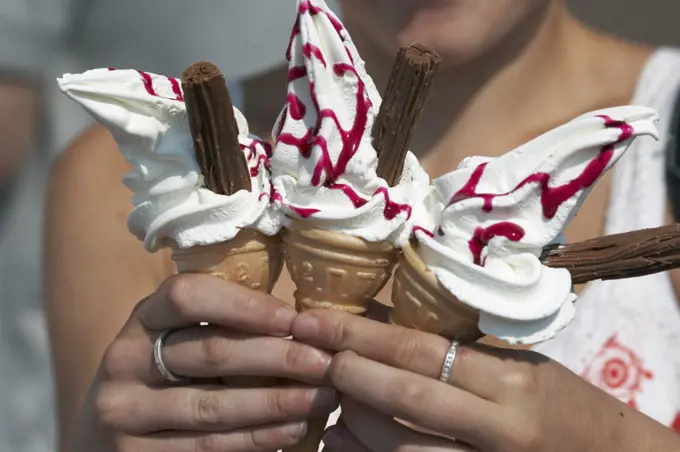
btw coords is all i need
(445, 375)
(158, 358)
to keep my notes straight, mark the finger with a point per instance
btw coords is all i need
(258, 439)
(138, 410)
(191, 299)
(417, 399)
(476, 369)
(208, 352)
(381, 433)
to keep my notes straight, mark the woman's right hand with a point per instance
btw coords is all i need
(132, 407)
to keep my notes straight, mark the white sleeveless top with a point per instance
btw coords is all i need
(625, 338)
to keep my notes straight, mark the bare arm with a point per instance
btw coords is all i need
(95, 270)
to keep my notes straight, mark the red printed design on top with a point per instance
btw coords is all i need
(326, 173)
(617, 370)
(551, 197)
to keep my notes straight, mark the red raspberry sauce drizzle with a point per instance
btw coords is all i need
(422, 229)
(262, 160)
(249, 151)
(148, 86)
(551, 197)
(325, 172)
(275, 196)
(480, 240)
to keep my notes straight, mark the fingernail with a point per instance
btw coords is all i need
(325, 401)
(333, 439)
(315, 361)
(283, 319)
(294, 431)
(306, 327)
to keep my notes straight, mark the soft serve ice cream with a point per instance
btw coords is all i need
(147, 116)
(489, 221)
(324, 164)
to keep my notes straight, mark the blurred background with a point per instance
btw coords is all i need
(41, 39)
(651, 21)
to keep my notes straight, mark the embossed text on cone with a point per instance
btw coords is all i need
(336, 271)
(250, 259)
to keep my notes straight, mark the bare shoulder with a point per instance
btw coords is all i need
(93, 265)
(86, 197)
(615, 65)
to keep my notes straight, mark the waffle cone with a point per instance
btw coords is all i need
(422, 303)
(250, 259)
(332, 270)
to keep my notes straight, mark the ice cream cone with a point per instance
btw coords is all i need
(250, 259)
(332, 270)
(420, 302)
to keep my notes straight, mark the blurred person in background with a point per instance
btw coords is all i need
(41, 39)
(512, 70)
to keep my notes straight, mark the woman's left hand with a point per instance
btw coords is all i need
(496, 400)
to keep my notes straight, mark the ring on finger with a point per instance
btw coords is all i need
(158, 359)
(447, 367)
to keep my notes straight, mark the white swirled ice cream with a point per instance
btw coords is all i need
(324, 164)
(488, 222)
(147, 117)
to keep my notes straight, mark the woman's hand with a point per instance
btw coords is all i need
(496, 400)
(131, 407)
